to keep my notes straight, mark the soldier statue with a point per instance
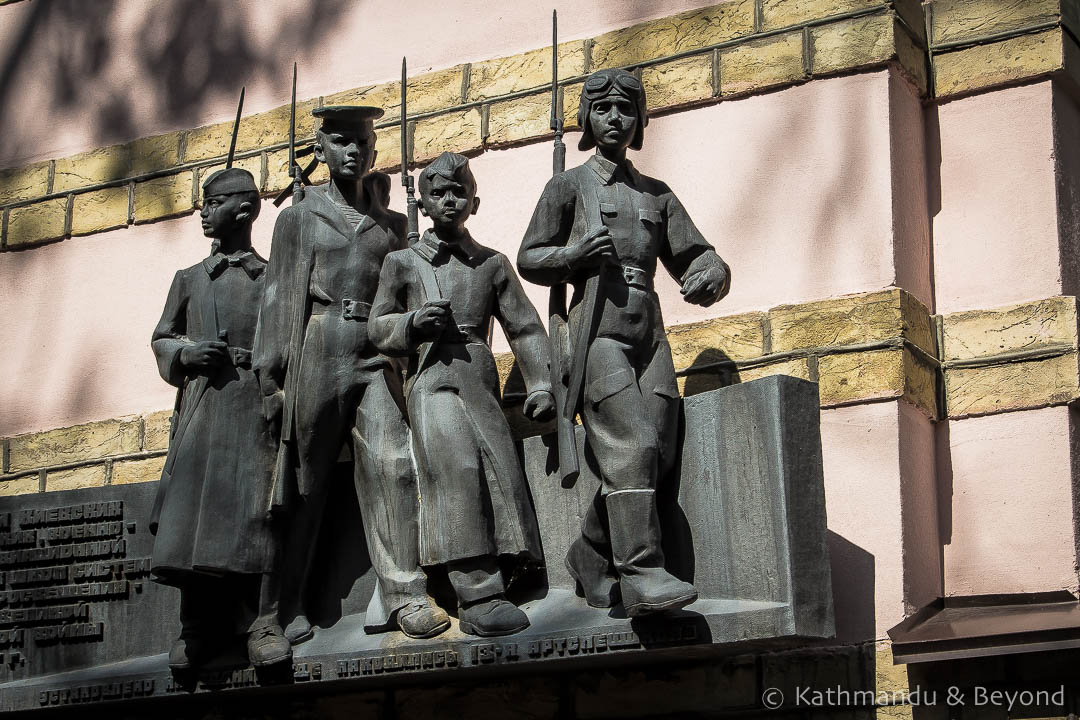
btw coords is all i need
(601, 228)
(212, 537)
(435, 304)
(325, 384)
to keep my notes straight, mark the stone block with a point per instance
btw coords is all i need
(912, 59)
(24, 183)
(1007, 61)
(571, 101)
(524, 71)
(854, 43)
(961, 20)
(37, 223)
(428, 92)
(1011, 386)
(666, 36)
(137, 471)
(760, 64)
(90, 441)
(156, 428)
(658, 692)
(1026, 326)
(920, 383)
(100, 210)
(842, 321)
(736, 337)
(894, 712)
(845, 378)
(164, 197)
(256, 131)
(680, 82)
(917, 325)
(387, 148)
(252, 164)
(19, 486)
(513, 121)
(117, 162)
(535, 698)
(453, 132)
(782, 13)
(87, 476)
(277, 171)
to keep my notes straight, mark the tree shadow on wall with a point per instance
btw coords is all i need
(197, 49)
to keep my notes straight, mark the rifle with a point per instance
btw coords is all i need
(300, 177)
(558, 331)
(235, 130)
(406, 178)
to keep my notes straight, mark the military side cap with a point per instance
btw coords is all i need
(348, 114)
(229, 182)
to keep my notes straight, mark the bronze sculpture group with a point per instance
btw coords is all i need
(352, 336)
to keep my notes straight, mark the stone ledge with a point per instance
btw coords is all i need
(1015, 59)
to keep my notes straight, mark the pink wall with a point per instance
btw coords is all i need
(879, 487)
(996, 227)
(1006, 484)
(107, 71)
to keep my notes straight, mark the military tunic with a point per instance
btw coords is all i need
(629, 400)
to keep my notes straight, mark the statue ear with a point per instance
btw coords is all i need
(423, 210)
(319, 154)
(374, 156)
(475, 204)
(243, 214)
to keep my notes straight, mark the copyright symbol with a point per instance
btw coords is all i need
(772, 698)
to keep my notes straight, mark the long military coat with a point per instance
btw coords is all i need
(209, 514)
(473, 496)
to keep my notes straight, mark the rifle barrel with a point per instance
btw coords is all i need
(404, 139)
(292, 123)
(235, 130)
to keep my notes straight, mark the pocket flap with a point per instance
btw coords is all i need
(649, 216)
(608, 385)
(609, 208)
(668, 390)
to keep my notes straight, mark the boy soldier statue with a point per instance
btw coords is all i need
(325, 384)
(435, 304)
(601, 228)
(213, 540)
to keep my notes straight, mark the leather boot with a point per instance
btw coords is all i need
(268, 646)
(634, 528)
(589, 559)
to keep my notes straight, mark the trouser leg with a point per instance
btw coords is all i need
(386, 490)
(589, 557)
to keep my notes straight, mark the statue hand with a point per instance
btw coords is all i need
(429, 321)
(204, 355)
(706, 287)
(592, 251)
(540, 406)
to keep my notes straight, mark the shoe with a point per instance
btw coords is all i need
(299, 630)
(187, 652)
(645, 585)
(422, 619)
(268, 646)
(495, 616)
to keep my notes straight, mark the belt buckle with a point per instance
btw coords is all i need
(353, 309)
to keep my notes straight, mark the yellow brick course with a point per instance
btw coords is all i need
(782, 13)
(24, 183)
(78, 478)
(452, 132)
(760, 64)
(960, 20)
(90, 441)
(735, 337)
(164, 197)
(514, 121)
(156, 430)
(1026, 326)
(100, 210)
(37, 223)
(137, 471)
(852, 43)
(532, 69)
(982, 66)
(117, 162)
(680, 82)
(859, 376)
(1011, 386)
(19, 486)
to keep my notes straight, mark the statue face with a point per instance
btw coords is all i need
(613, 121)
(219, 214)
(347, 151)
(449, 202)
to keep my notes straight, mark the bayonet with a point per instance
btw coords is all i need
(235, 130)
(558, 330)
(406, 178)
(294, 169)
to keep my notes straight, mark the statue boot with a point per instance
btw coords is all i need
(589, 559)
(422, 619)
(268, 646)
(492, 617)
(190, 651)
(634, 527)
(299, 630)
